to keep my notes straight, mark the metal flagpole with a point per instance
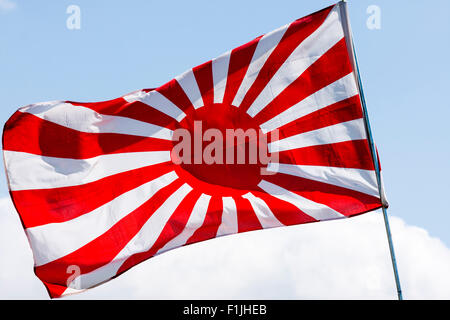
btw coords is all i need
(347, 30)
(384, 205)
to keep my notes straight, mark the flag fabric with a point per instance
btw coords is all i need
(98, 189)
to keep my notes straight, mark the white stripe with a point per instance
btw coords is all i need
(220, 74)
(55, 240)
(157, 101)
(195, 221)
(361, 180)
(262, 52)
(189, 84)
(141, 242)
(313, 209)
(339, 90)
(30, 171)
(229, 224)
(87, 120)
(309, 50)
(69, 291)
(344, 131)
(262, 211)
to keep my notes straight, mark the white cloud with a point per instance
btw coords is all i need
(7, 5)
(344, 259)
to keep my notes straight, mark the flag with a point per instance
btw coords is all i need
(269, 134)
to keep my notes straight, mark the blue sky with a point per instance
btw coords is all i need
(128, 45)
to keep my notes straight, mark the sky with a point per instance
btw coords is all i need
(128, 45)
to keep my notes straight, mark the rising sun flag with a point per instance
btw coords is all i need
(103, 186)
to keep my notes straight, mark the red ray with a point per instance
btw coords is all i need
(28, 133)
(285, 212)
(247, 220)
(175, 93)
(348, 154)
(331, 66)
(342, 111)
(173, 228)
(134, 110)
(346, 201)
(240, 59)
(204, 77)
(104, 248)
(42, 206)
(297, 31)
(211, 223)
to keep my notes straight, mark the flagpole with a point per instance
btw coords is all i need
(347, 30)
(384, 205)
